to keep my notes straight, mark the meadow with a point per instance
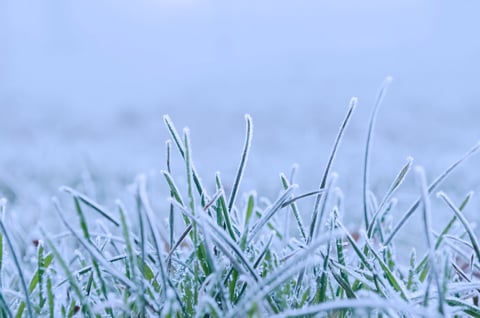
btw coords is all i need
(210, 251)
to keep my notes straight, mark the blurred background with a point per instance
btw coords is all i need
(84, 85)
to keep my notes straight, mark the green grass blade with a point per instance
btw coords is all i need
(5, 309)
(298, 218)
(366, 161)
(465, 223)
(243, 162)
(181, 148)
(393, 187)
(223, 209)
(92, 204)
(338, 139)
(430, 189)
(17, 262)
(333, 152)
(274, 208)
(50, 298)
(175, 193)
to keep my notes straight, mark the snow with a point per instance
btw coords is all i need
(84, 85)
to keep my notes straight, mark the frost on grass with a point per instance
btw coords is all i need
(228, 255)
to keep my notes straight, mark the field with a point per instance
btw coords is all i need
(209, 251)
(318, 204)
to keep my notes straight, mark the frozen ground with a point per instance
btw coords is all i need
(83, 87)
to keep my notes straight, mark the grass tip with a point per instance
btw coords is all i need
(65, 189)
(441, 194)
(3, 202)
(388, 79)
(55, 200)
(353, 101)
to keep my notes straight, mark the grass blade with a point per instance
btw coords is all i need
(393, 187)
(465, 223)
(93, 250)
(422, 181)
(366, 161)
(243, 162)
(276, 206)
(333, 152)
(298, 218)
(17, 262)
(181, 148)
(89, 202)
(87, 310)
(430, 189)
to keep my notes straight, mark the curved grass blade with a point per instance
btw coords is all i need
(301, 196)
(333, 152)
(366, 161)
(89, 202)
(338, 139)
(430, 189)
(243, 162)
(276, 206)
(175, 193)
(393, 187)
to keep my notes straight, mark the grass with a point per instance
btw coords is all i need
(226, 255)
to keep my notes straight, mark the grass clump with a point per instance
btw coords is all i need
(221, 255)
